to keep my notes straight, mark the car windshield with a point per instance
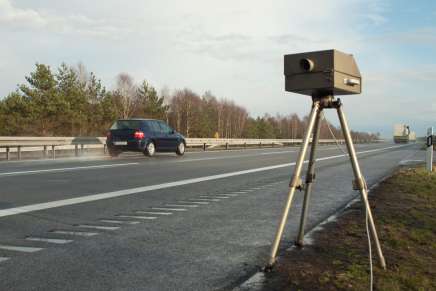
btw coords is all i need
(127, 124)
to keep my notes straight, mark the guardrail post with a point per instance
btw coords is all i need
(105, 148)
(81, 149)
(260, 144)
(227, 145)
(8, 157)
(76, 150)
(245, 145)
(204, 146)
(44, 153)
(19, 152)
(272, 144)
(53, 154)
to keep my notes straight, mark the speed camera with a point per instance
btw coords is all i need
(322, 73)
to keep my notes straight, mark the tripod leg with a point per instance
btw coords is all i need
(360, 181)
(294, 183)
(310, 177)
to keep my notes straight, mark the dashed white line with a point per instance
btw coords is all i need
(65, 169)
(125, 192)
(101, 227)
(2, 259)
(20, 249)
(138, 217)
(195, 202)
(50, 240)
(214, 196)
(169, 209)
(78, 233)
(204, 199)
(181, 205)
(230, 195)
(153, 212)
(119, 221)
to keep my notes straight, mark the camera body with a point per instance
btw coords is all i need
(322, 73)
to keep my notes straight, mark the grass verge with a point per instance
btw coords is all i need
(404, 207)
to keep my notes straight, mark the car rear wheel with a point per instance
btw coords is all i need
(180, 149)
(150, 149)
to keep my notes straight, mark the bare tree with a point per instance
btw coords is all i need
(125, 95)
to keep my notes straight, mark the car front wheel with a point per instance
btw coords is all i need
(150, 149)
(180, 149)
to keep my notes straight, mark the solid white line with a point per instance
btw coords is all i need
(119, 221)
(2, 259)
(138, 217)
(169, 209)
(20, 249)
(78, 233)
(153, 213)
(64, 169)
(181, 205)
(125, 192)
(50, 240)
(230, 194)
(98, 227)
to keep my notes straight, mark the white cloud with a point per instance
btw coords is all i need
(18, 18)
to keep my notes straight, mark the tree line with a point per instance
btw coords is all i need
(69, 101)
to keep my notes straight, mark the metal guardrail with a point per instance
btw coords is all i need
(19, 144)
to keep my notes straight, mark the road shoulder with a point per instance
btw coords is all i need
(404, 209)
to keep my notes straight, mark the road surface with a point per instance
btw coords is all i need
(204, 221)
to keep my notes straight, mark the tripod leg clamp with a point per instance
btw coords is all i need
(359, 184)
(310, 178)
(296, 183)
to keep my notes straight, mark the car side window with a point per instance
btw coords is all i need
(164, 127)
(154, 126)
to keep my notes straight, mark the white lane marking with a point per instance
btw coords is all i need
(138, 217)
(194, 202)
(64, 169)
(153, 212)
(78, 233)
(204, 199)
(101, 227)
(125, 192)
(214, 196)
(2, 259)
(20, 249)
(229, 195)
(119, 221)
(181, 205)
(49, 240)
(169, 209)
(239, 192)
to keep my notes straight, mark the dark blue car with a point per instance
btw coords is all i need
(144, 135)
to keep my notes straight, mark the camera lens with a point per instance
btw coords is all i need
(306, 65)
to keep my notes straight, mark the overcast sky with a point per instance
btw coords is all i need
(235, 49)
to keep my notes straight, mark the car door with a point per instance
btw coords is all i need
(169, 136)
(157, 135)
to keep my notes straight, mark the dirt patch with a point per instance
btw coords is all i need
(404, 207)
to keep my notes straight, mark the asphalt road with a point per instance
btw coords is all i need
(201, 222)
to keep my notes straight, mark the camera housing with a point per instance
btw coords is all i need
(322, 73)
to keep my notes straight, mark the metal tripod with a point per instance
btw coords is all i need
(313, 129)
